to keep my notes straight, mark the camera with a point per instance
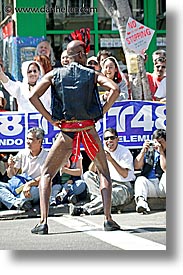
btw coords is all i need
(151, 143)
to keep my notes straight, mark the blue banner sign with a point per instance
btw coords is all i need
(134, 121)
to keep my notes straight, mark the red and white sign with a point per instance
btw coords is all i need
(138, 36)
(7, 30)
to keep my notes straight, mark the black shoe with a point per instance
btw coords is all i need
(53, 203)
(72, 199)
(40, 229)
(13, 207)
(25, 205)
(111, 226)
(76, 210)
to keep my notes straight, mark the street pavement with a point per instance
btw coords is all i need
(66, 232)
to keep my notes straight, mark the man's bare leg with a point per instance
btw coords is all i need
(105, 180)
(57, 157)
(106, 196)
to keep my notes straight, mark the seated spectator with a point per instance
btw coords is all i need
(152, 161)
(159, 72)
(93, 62)
(64, 59)
(73, 187)
(160, 94)
(32, 73)
(120, 162)
(29, 161)
(110, 68)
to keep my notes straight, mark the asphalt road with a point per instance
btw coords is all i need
(140, 232)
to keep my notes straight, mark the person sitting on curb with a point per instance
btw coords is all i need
(29, 161)
(72, 188)
(120, 162)
(152, 161)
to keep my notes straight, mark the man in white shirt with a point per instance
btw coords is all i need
(120, 162)
(30, 161)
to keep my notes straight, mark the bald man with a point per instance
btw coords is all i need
(76, 108)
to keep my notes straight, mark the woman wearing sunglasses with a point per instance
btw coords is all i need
(32, 73)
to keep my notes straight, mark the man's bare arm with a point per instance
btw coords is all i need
(111, 87)
(121, 170)
(27, 187)
(11, 170)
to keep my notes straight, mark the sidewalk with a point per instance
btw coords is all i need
(155, 204)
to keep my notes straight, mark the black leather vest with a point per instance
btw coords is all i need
(75, 94)
(148, 166)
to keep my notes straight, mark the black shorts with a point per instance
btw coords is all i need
(69, 134)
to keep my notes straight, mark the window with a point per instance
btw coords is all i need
(69, 14)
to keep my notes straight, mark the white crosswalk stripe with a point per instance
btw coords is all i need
(121, 239)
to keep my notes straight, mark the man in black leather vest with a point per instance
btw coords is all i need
(75, 127)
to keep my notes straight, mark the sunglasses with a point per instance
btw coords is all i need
(92, 63)
(158, 66)
(32, 71)
(160, 59)
(83, 53)
(110, 137)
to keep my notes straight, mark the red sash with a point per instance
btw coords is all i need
(81, 135)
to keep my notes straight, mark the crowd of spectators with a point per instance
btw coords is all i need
(70, 185)
(80, 190)
(104, 62)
